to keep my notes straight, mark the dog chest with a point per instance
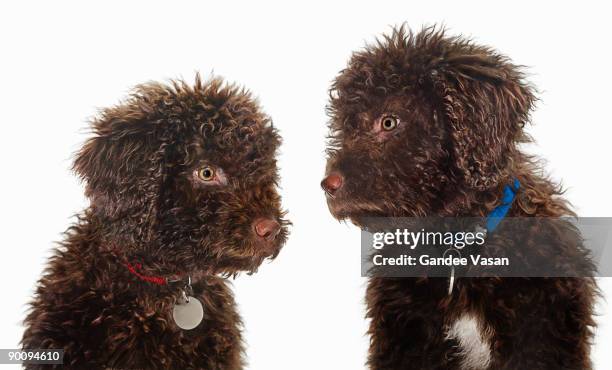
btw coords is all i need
(473, 339)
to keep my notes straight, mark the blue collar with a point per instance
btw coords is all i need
(493, 219)
(499, 212)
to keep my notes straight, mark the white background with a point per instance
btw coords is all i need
(61, 61)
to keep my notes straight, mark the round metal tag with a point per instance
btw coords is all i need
(188, 314)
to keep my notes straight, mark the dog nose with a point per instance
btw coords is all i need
(332, 183)
(266, 228)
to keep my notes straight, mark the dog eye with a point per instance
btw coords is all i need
(206, 173)
(389, 123)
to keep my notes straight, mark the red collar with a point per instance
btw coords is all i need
(135, 268)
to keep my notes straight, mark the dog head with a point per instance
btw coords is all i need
(186, 176)
(417, 117)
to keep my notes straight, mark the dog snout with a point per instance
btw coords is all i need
(332, 183)
(266, 228)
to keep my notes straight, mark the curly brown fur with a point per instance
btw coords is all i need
(150, 205)
(461, 109)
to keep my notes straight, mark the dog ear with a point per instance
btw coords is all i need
(122, 166)
(485, 104)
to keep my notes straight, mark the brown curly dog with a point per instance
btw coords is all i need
(430, 125)
(182, 182)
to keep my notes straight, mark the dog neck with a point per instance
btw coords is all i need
(145, 276)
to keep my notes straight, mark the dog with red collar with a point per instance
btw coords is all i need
(182, 183)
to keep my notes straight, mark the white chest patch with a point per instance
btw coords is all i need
(473, 338)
